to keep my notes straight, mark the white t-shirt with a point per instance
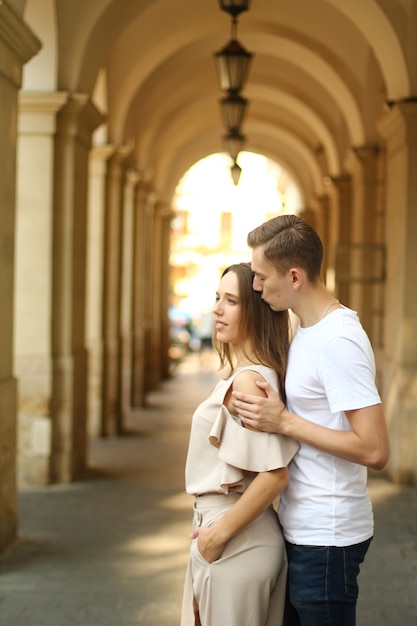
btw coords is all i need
(331, 369)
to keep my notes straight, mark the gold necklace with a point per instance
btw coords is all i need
(327, 309)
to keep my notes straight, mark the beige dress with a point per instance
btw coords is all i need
(246, 585)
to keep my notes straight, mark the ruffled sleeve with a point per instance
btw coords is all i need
(244, 449)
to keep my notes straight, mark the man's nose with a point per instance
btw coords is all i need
(257, 284)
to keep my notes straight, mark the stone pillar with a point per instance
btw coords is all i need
(115, 186)
(151, 295)
(96, 203)
(367, 249)
(160, 291)
(37, 125)
(75, 123)
(343, 185)
(17, 46)
(325, 229)
(126, 295)
(139, 293)
(399, 129)
(165, 217)
(366, 166)
(317, 217)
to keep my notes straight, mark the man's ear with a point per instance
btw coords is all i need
(296, 276)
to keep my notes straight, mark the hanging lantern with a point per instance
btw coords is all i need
(232, 64)
(235, 172)
(234, 7)
(233, 109)
(233, 143)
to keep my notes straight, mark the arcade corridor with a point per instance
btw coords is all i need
(104, 106)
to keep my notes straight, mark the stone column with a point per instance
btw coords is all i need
(139, 293)
(367, 252)
(115, 186)
(165, 217)
(343, 185)
(126, 295)
(37, 125)
(151, 294)
(96, 204)
(17, 46)
(367, 167)
(160, 324)
(399, 129)
(75, 124)
(323, 202)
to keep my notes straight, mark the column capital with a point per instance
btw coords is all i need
(37, 111)
(341, 181)
(76, 111)
(366, 161)
(164, 210)
(80, 104)
(395, 123)
(18, 43)
(102, 153)
(133, 177)
(365, 152)
(151, 203)
(120, 154)
(41, 101)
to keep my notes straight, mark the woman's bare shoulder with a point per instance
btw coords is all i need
(245, 381)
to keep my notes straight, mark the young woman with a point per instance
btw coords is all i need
(236, 573)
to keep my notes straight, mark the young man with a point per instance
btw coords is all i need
(334, 410)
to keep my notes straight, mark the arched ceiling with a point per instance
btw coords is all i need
(321, 72)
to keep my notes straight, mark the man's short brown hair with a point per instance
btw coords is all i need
(289, 241)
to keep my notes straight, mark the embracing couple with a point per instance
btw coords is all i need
(296, 417)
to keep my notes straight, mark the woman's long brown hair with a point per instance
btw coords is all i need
(268, 331)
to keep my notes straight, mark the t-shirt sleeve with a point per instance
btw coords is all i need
(348, 375)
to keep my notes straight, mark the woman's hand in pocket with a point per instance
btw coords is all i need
(210, 545)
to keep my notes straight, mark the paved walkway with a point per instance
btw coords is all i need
(111, 550)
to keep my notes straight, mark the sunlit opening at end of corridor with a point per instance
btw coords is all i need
(213, 218)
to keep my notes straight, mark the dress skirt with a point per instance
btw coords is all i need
(246, 585)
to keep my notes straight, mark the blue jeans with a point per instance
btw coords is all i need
(322, 587)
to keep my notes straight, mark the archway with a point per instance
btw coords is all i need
(212, 219)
